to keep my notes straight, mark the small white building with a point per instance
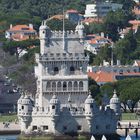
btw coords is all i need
(100, 9)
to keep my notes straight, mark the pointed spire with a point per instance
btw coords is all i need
(104, 138)
(128, 138)
(92, 138)
(115, 94)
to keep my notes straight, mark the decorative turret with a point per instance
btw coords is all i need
(89, 105)
(54, 106)
(80, 29)
(24, 111)
(44, 35)
(115, 104)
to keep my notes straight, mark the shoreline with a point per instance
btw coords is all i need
(14, 128)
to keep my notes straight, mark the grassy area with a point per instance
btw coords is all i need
(5, 118)
(129, 116)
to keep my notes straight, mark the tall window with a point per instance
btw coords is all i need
(48, 86)
(53, 86)
(72, 70)
(75, 85)
(59, 86)
(64, 86)
(80, 85)
(69, 86)
(56, 70)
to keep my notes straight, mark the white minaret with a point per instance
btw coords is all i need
(54, 105)
(44, 35)
(24, 111)
(89, 103)
(115, 105)
(80, 29)
(54, 111)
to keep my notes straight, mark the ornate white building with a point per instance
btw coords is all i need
(63, 104)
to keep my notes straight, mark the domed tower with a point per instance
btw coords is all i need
(24, 111)
(115, 105)
(80, 29)
(54, 106)
(44, 35)
(90, 109)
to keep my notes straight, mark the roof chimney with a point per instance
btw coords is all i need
(102, 34)
(118, 62)
(31, 26)
(11, 26)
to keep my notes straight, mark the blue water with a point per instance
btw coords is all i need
(8, 137)
(14, 137)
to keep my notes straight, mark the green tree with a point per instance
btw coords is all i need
(93, 87)
(13, 46)
(103, 54)
(125, 48)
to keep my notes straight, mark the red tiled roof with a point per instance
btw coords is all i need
(92, 20)
(21, 28)
(60, 17)
(71, 11)
(134, 22)
(98, 38)
(102, 76)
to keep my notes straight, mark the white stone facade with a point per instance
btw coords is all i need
(63, 104)
(100, 9)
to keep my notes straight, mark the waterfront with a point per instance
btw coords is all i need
(14, 137)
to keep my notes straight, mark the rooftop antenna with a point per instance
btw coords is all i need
(63, 31)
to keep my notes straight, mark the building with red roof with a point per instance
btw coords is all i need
(110, 73)
(73, 15)
(21, 32)
(88, 21)
(94, 42)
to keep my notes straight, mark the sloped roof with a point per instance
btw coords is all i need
(21, 28)
(60, 17)
(72, 11)
(102, 76)
(92, 20)
(134, 22)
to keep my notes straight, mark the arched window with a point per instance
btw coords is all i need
(56, 70)
(59, 86)
(53, 86)
(75, 85)
(69, 86)
(72, 70)
(48, 86)
(80, 85)
(64, 86)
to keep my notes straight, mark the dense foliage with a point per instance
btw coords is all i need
(127, 90)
